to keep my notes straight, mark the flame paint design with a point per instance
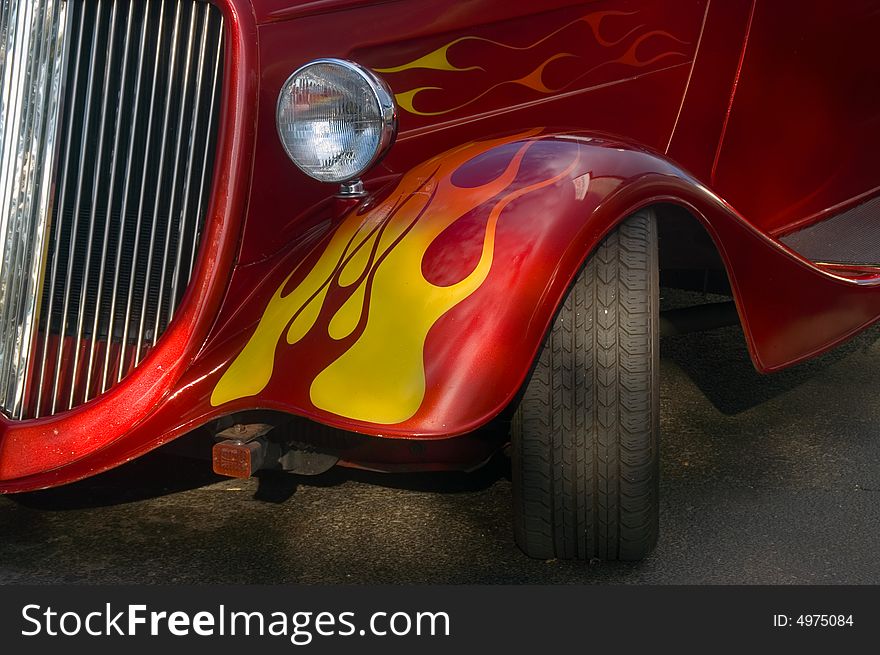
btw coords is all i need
(377, 259)
(533, 80)
(439, 60)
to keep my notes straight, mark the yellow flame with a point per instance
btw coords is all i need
(380, 378)
(533, 80)
(439, 58)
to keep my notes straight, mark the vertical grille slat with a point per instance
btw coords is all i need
(172, 203)
(124, 201)
(93, 217)
(21, 118)
(193, 128)
(13, 267)
(56, 246)
(26, 172)
(123, 215)
(154, 224)
(130, 297)
(87, 208)
(72, 242)
(67, 140)
(32, 53)
(213, 116)
(114, 169)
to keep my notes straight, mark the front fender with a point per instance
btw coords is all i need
(419, 313)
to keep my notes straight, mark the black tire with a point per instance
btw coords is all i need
(586, 433)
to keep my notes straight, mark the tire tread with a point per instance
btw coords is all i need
(585, 436)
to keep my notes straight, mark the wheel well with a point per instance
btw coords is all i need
(689, 258)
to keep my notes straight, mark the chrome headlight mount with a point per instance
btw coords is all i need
(336, 120)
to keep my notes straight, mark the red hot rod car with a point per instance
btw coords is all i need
(401, 234)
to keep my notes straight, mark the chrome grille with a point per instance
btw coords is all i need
(135, 157)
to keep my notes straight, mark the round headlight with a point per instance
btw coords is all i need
(336, 119)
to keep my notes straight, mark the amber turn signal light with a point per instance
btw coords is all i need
(236, 459)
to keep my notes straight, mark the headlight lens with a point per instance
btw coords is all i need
(336, 119)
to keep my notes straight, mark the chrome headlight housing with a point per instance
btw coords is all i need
(336, 119)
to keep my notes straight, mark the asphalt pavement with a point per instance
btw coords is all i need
(765, 480)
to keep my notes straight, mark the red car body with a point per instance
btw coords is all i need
(527, 131)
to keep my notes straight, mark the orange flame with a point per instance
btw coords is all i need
(438, 60)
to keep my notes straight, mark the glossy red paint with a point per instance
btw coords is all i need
(645, 121)
(282, 198)
(807, 103)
